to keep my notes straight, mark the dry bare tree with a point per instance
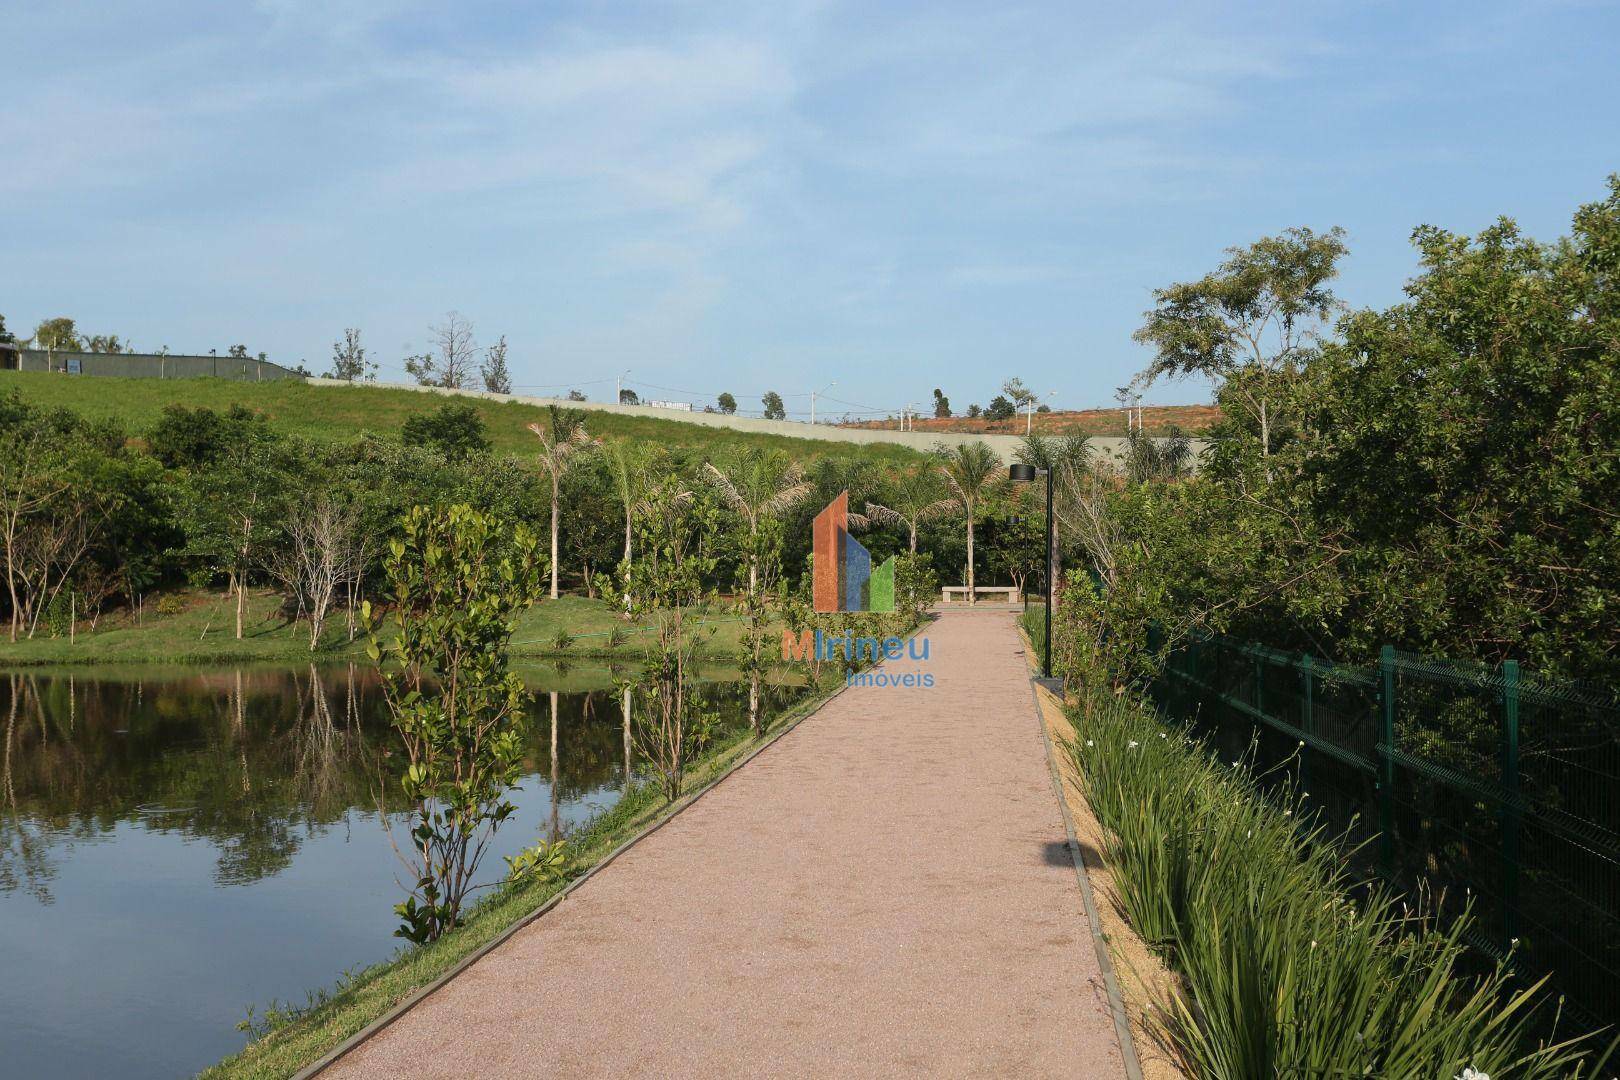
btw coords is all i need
(30, 481)
(451, 362)
(323, 556)
(561, 445)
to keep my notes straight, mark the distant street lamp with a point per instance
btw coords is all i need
(813, 394)
(1019, 473)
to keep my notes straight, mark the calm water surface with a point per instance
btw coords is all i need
(176, 846)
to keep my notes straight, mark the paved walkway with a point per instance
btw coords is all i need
(885, 891)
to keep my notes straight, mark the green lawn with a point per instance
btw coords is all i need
(204, 631)
(336, 413)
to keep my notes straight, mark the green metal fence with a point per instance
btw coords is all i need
(1469, 783)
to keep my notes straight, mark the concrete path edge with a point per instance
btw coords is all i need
(411, 1001)
(1116, 1002)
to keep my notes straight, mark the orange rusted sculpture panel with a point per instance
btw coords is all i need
(827, 536)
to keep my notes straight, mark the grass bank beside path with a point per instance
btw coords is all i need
(338, 413)
(1144, 980)
(1284, 964)
(302, 1038)
(203, 630)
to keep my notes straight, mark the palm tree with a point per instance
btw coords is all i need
(919, 497)
(759, 485)
(968, 469)
(629, 463)
(560, 448)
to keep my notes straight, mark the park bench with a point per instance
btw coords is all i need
(957, 594)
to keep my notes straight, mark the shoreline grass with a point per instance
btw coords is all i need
(302, 1036)
(202, 631)
(1289, 967)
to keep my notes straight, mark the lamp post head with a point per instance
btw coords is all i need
(1019, 473)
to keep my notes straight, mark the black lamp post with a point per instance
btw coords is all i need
(1019, 473)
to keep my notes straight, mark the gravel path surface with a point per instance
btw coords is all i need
(885, 891)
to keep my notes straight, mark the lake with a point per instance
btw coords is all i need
(176, 846)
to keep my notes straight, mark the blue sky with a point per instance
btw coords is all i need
(751, 197)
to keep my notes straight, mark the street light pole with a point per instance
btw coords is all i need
(618, 388)
(813, 394)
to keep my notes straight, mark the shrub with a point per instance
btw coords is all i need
(1285, 974)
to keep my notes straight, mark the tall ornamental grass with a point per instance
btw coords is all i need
(1289, 968)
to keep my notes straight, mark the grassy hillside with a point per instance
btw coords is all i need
(335, 413)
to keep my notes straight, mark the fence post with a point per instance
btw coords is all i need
(1386, 765)
(1307, 724)
(1512, 816)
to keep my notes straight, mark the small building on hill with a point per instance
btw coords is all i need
(143, 365)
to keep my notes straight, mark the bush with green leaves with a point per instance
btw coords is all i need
(456, 578)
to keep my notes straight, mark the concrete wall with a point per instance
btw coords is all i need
(153, 366)
(1003, 445)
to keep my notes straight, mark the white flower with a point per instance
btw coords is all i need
(1133, 745)
(1162, 735)
(1313, 945)
(1235, 764)
(1090, 743)
(1472, 1073)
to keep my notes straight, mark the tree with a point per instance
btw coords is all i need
(628, 397)
(633, 468)
(774, 409)
(456, 579)
(727, 403)
(186, 438)
(561, 444)
(661, 584)
(1247, 325)
(968, 469)
(758, 486)
(497, 379)
(919, 497)
(975, 411)
(450, 364)
(577, 395)
(455, 429)
(1000, 409)
(1022, 398)
(325, 554)
(1017, 542)
(349, 358)
(229, 509)
(31, 480)
(6, 336)
(942, 404)
(57, 335)
(104, 343)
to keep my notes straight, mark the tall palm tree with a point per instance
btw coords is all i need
(758, 485)
(560, 448)
(969, 470)
(629, 463)
(919, 497)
